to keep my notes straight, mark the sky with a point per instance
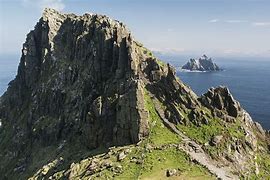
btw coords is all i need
(193, 27)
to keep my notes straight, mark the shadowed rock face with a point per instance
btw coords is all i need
(80, 73)
(81, 85)
(81, 80)
(78, 78)
(202, 64)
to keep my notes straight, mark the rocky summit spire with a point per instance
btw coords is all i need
(85, 85)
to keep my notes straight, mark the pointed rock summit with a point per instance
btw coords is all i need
(202, 64)
(89, 101)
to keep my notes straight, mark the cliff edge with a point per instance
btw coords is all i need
(89, 101)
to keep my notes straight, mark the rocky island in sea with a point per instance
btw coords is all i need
(202, 64)
(91, 102)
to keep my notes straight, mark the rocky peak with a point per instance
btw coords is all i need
(204, 57)
(81, 72)
(202, 64)
(221, 99)
(80, 76)
(85, 84)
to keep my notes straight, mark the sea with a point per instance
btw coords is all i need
(248, 79)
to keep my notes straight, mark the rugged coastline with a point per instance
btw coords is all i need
(89, 101)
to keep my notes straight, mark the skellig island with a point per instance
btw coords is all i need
(90, 102)
(202, 64)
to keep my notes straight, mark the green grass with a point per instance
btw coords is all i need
(131, 170)
(216, 126)
(161, 63)
(155, 162)
(158, 161)
(235, 130)
(263, 161)
(203, 133)
(159, 133)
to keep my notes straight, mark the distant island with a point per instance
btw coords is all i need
(202, 64)
(91, 102)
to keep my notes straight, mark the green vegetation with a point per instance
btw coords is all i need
(202, 134)
(149, 53)
(159, 133)
(148, 160)
(158, 161)
(235, 130)
(143, 49)
(160, 63)
(263, 161)
(215, 126)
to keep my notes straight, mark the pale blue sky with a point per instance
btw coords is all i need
(215, 27)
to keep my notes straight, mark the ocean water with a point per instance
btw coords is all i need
(8, 70)
(247, 79)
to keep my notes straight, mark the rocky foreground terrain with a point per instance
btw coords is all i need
(202, 64)
(90, 102)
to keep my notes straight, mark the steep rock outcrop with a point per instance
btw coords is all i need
(202, 64)
(78, 78)
(221, 99)
(85, 85)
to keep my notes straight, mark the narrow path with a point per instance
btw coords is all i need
(194, 150)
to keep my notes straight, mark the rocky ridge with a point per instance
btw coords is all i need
(89, 101)
(202, 64)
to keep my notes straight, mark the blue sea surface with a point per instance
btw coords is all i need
(247, 79)
(8, 70)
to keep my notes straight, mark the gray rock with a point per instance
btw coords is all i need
(80, 80)
(259, 127)
(195, 146)
(107, 164)
(121, 156)
(216, 140)
(221, 99)
(171, 172)
(202, 64)
(83, 80)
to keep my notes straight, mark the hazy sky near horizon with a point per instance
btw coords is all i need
(215, 27)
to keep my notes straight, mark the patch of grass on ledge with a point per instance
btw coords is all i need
(158, 161)
(159, 133)
(161, 63)
(263, 161)
(203, 133)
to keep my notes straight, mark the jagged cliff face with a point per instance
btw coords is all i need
(82, 84)
(78, 75)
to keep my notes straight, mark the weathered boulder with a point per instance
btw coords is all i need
(216, 140)
(171, 172)
(121, 156)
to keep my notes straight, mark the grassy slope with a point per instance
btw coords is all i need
(154, 161)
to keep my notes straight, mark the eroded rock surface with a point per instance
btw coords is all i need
(84, 85)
